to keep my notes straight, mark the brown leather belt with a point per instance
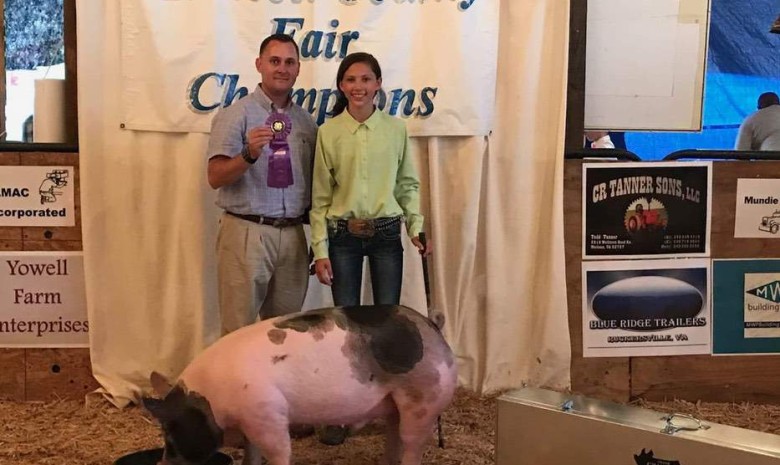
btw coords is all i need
(275, 222)
(367, 228)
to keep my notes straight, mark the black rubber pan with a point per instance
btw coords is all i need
(152, 456)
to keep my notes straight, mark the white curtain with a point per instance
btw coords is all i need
(493, 207)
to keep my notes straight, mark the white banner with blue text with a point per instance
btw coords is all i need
(43, 300)
(182, 60)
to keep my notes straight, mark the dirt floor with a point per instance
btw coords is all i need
(75, 433)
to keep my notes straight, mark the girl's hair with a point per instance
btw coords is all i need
(349, 60)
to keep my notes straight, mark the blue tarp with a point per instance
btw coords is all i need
(743, 61)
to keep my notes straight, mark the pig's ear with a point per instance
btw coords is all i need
(156, 407)
(160, 384)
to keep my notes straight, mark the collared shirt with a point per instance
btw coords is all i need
(602, 143)
(363, 170)
(250, 194)
(760, 131)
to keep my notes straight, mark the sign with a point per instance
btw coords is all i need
(757, 212)
(645, 307)
(635, 210)
(42, 300)
(440, 79)
(37, 196)
(746, 306)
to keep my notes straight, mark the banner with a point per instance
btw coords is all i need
(634, 210)
(746, 306)
(182, 60)
(37, 196)
(42, 300)
(645, 307)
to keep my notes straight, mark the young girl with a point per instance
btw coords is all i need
(364, 187)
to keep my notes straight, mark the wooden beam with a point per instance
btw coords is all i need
(71, 85)
(2, 72)
(53, 374)
(575, 94)
(12, 364)
(600, 377)
(693, 378)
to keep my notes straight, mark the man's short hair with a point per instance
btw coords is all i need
(767, 99)
(283, 38)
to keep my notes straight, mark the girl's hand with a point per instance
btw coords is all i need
(425, 250)
(324, 271)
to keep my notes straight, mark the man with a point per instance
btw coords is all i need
(599, 140)
(260, 157)
(761, 130)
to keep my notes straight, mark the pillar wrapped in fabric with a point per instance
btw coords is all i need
(49, 112)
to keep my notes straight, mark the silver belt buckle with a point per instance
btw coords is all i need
(361, 228)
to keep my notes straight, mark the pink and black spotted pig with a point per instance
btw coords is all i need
(333, 366)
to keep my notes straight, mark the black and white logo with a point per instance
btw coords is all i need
(55, 180)
(647, 458)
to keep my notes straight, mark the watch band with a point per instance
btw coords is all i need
(247, 156)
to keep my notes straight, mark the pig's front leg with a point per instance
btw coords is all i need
(252, 455)
(276, 450)
(270, 434)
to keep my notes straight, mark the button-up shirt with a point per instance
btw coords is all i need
(250, 194)
(363, 170)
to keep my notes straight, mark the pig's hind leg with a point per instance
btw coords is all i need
(416, 424)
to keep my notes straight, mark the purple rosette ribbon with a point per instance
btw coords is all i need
(279, 161)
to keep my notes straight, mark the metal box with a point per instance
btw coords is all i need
(541, 427)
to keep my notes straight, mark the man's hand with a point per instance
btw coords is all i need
(324, 271)
(257, 138)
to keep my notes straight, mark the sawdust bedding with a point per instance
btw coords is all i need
(95, 433)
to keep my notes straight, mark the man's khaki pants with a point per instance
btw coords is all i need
(263, 271)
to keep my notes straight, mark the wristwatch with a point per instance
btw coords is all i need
(247, 156)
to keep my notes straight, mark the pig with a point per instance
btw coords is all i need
(332, 366)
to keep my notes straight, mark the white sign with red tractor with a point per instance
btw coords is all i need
(758, 208)
(646, 210)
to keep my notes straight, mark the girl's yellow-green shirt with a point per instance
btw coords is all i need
(363, 170)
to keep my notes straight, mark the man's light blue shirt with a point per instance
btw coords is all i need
(250, 195)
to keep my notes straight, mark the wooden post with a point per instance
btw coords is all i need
(71, 86)
(4, 137)
(575, 94)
